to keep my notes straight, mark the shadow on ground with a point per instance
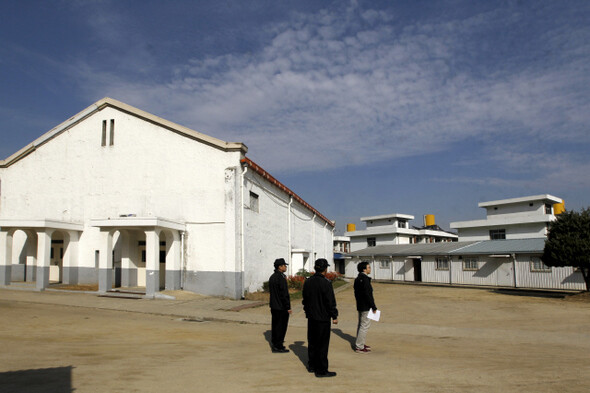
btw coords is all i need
(523, 292)
(345, 336)
(300, 351)
(57, 380)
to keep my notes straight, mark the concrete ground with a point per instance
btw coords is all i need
(430, 339)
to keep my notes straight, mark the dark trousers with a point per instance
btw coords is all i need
(318, 341)
(280, 321)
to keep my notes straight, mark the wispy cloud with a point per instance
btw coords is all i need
(357, 86)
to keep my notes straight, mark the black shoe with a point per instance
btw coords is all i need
(280, 350)
(326, 374)
(310, 370)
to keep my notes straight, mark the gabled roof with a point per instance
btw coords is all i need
(109, 102)
(258, 169)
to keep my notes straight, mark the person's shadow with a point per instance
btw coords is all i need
(268, 338)
(297, 348)
(346, 337)
(300, 351)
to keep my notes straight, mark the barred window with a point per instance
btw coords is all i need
(384, 264)
(442, 263)
(497, 234)
(470, 264)
(537, 265)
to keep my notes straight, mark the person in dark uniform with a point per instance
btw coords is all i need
(365, 303)
(319, 304)
(280, 305)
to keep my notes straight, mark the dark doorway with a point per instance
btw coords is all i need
(417, 270)
(339, 266)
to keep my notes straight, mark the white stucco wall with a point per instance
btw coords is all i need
(282, 228)
(77, 179)
(517, 231)
(156, 170)
(149, 171)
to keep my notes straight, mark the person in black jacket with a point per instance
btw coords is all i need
(280, 305)
(363, 293)
(319, 304)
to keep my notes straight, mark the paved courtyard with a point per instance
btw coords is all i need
(430, 339)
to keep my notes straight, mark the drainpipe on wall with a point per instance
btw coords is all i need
(450, 271)
(312, 256)
(514, 268)
(289, 233)
(182, 261)
(325, 251)
(242, 226)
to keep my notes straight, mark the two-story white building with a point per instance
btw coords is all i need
(389, 229)
(118, 197)
(514, 218)
(341, 253)
(504, 250)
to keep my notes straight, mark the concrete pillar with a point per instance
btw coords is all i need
(68, 273)
(152, 262)
(173, 260)
(43, 257)
(126, 264)
(105, 262)
(5, 257)
(31, 261)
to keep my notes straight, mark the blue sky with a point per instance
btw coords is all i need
(361, 107)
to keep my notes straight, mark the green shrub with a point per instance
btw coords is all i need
(304, 273)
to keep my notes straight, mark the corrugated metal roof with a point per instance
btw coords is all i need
(504, 246)
(489, 247)
(419, 249)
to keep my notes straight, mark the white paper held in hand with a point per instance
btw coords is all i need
(374, 315)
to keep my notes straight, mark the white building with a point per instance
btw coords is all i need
(495, 263)
(389, 229)
(341, 253)
(117, 196)
(514, 218)
(504, 250)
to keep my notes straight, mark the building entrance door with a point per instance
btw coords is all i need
(417, 270)
(505, 275)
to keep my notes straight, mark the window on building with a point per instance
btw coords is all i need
(112, 136)
(470, 264)
(497, 234)
(384, 264)
(371, 241)
(103, 141)
(401, 224)
(442, 263)
(254, 206)
(537, 265)
(548, 208)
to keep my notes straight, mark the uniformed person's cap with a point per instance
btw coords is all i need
(280, 262)
(321, 265)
